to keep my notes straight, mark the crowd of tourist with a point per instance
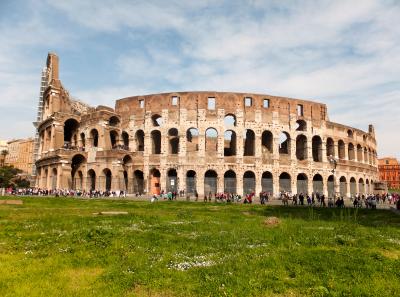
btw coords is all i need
(370, 201)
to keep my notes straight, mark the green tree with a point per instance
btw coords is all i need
(9, 176)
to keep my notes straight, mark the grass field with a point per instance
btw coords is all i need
(60, 247)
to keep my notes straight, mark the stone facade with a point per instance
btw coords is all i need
(20, 154)
(200, 142)
(389, 172)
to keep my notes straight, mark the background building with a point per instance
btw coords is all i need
(20, 154)
(389, 172)
(199, 142)
(3, 151)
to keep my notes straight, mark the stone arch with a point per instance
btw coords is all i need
(267, 140)
(366, 155)
(361, 186)
(317, 148)
(330, 147)
(54, 178)
(359, 153)
(267, 182)
(127, 161)
(107, 175)
(301, 125)
(301, 147)
(351, 152)
(230, 120)
(211, 140)
(77, 162)
(125, 139)
(114, 121)
(331, 186)
(367, 188)
(114, 138)
(173, 141)
(139, 137)
(285, 182)
(71, 127)
(191, 183)
(229, 143)
(172, 180)
(343, 186)
(157, 120)
(284, 143)
(94, 135)
(353, 186)
(91, 179)
(350, 133)
(156, 142)
(138, 182)
(318, 184)
(230, 182)
(249, 138)
(302, 183)
(155, 176)
(210, 183)
(342, 149)
(192, 140)
(82, 138)
(249, 182)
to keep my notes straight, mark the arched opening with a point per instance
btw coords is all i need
(139, 138)
(301, 125)
(108, 179)
(330, 147)
(361, 186)
(155, 181)
(342, 149)
(318, 184)
(172, 181)
(369, 156)
(284, 143)
(267, 142)
(192, 140)
(83, 140)
(359, 153)
(350, 133)
(157, 120)
(114, 138)
(126, 181)
(285, 183)
(92, 179)
(367, 189)
(301, 147)
(302, 183)
(127, 161)
(54, 179)
(156, 142)
(249, 142)
(125, 140)
(353, 186)
(71, 127)
(267, 183)
(351, 154)
(343, 186)
(230, 120)
(230, 182)
(138, 182)
(211, 140)
(113, 121)
(94, 135)
(173, 140)
(317, 149)
(366, 156)
(210, 183)
(249, 182)
(229, 143)
(191, 183)
(77, 163)
(331, 186)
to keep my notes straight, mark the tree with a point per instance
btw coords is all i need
(9, 177)
(4, 153)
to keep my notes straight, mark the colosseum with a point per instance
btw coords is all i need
(199, 142)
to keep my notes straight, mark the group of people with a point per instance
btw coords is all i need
(64, 193)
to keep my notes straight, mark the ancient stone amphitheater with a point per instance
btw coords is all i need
(199, 142)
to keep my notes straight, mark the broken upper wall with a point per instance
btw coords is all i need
(210, 102)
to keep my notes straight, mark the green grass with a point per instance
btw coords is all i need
(58, 247)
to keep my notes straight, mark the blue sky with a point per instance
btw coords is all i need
(343, 53)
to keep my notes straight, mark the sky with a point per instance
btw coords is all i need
(345, 54)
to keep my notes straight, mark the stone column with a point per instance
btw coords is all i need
(275, 176)
(200, 184)
(309, 150)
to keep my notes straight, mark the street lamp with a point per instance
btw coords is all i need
(333, 161)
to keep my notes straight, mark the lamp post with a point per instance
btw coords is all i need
(333, 161)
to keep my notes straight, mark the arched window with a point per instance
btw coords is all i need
(285, 182)
(191, 183)
(342, 149)
(71, 127)
(157, 120)
(301, 125)
(284, 143)
(114, 138)
(113, 121)
(108, 179)
(211, 140)
(359, 153)
(210, 183)
(351, 152)
(173, 140)
(267, 142)
(317, 149)
(249, 182)
(230, 182)
(302, 183)
(229, 143)
(230, 120)
(267, 184)
(192, 140)
(156, 142)
(125, 139)
(249, 142)
(318, 184)
(139, 136)
(301, 147)
(94, 135)
(330, 147)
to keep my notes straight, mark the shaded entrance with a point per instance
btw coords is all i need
(285, 182)
(230, 182)
(138, 182)
(155, 181)
(267, 184)
(318, 184)
(191, 183)
(210, 182)
(302, 183)
(249, 182)
(172, 181)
